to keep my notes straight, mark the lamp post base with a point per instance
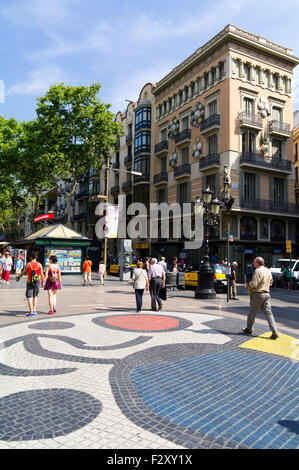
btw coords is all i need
(205, 288)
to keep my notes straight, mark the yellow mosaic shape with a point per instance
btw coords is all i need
(285, 345)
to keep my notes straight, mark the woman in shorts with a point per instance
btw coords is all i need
(53, 282)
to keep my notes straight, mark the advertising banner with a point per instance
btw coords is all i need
(111, 221)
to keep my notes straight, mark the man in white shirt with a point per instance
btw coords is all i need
(163, 263)
(156, 275)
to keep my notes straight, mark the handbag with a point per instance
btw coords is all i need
(163, 293)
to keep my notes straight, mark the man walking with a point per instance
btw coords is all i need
(156, 275)
(87, 270)
(163, 263)
(34, 272)
(259, 288)
(233, 281)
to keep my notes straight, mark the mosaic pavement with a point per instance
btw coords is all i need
(152, 381)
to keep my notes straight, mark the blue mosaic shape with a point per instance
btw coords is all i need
(249, 399)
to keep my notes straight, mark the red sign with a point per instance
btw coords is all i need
(44, 217)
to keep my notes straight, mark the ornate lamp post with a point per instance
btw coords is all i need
(205, 288)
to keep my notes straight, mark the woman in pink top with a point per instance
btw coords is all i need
(53, 282)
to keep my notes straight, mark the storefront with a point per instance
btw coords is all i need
(69, 246)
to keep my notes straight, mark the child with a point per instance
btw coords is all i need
(19, 265)
(101, 272)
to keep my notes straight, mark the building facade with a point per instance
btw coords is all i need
(230, 104)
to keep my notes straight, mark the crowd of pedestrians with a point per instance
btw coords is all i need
(149, 275)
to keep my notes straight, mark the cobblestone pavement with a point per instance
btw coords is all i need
(99, 375)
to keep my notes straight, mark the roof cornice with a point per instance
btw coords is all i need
(229, 32)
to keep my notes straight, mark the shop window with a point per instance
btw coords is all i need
(248, 228)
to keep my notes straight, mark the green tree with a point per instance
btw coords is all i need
(77, 132)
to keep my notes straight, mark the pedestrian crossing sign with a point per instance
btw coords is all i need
(288, 246)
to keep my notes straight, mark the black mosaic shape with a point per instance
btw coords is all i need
(12, 371)
(55, 325)
(43, 414)
(183, 323)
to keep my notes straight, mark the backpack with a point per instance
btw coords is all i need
(287, 273)
(34, 276)
(54, 277)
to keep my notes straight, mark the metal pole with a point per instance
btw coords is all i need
(107, 200)
(228, 276)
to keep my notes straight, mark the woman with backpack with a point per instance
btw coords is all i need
(53, 282)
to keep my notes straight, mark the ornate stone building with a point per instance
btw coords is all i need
(230, 104)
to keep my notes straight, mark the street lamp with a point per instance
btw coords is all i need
(205, 287)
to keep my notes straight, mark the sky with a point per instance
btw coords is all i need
(122, 44)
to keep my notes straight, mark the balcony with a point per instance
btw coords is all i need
(145, 178)
(115, 190)
(80, 216)
(182, 136)
(272, 164)
(211, 123)
(182, 171)
(128, 160)
(253, 121)
(209, 161)
(161, 178)
(269, 206)
(127, 186)
(82, 194)
(161, 147)
(279, 128)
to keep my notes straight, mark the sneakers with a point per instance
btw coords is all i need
(274, 336)
(246, 331)
(160, 307)
(33, 314)
(50, 312)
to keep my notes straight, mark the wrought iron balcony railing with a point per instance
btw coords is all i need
(161, 177)
(271, 163)
(183, 170)
(251, 120)
(208, 123)
(210, 160)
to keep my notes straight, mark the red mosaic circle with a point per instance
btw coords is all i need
(143, 322)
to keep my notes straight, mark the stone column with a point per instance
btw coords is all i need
(177, 100)
(251, 72)
(184, 95)
(288, 85)
(234, 68)
(210, 78)
(167, 106)
(163, 108)
(280, 87)
(157, 113)
(271, 82)
(242, 71)
(195, 87)
(172, 102)
(189, 92)
(217, 68)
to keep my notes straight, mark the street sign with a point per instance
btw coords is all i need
(288, 246)
(44, 217)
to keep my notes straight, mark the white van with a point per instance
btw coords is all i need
(292, 264)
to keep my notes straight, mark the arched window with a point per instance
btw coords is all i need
(248, 228)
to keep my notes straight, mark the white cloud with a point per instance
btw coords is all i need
(39, 81)
(42, 12)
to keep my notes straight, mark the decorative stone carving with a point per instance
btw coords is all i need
(226, 175)
(173, 159)
(173, 128)
(197, 114)
(197, 149)
(264, 107)
(264, 144)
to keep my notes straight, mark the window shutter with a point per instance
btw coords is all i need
(285, 190)
(217, 186)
